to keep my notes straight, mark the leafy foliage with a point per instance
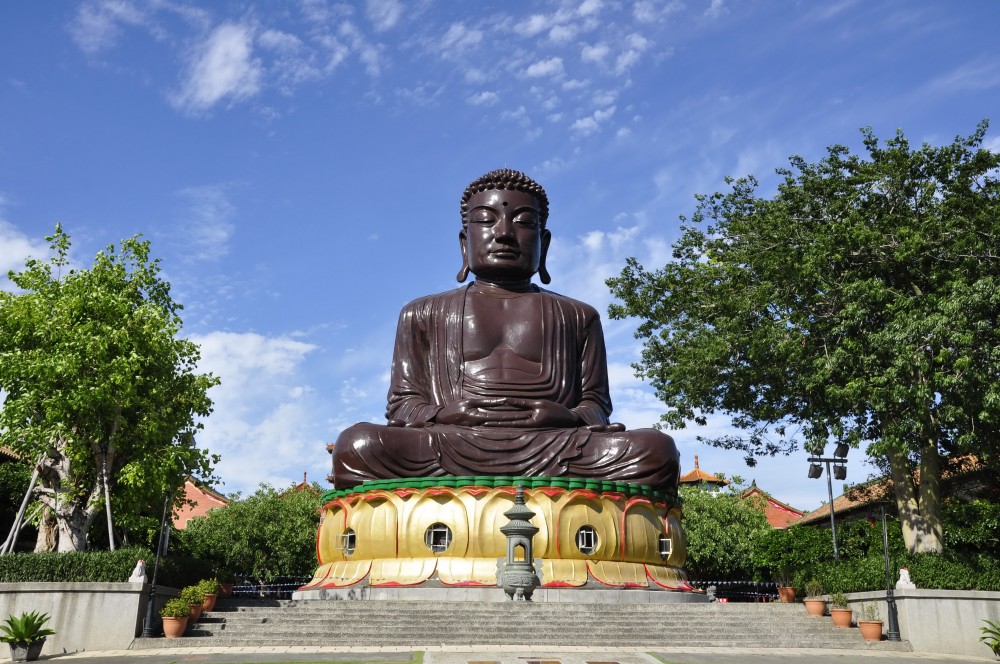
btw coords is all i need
(176, 607)
(26, 628)
(721, 531)
(90, 360)
(99, 566)
(857, 304)
(264, 535)
(991, 635)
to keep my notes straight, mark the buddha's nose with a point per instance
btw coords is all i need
(504, 227)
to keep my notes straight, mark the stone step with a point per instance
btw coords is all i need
(414, 624)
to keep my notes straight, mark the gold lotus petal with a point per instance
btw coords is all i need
(346, 573)
(666, 577)
(612, 573)
(556, 573)
(467, 571)
(402, 571)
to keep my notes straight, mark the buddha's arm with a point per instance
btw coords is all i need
(595, 403)
(410, 400)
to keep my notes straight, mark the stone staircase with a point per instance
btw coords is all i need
(432, 623)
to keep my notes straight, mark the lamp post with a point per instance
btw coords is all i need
(892, 634)
(147, 628)
(839, 471)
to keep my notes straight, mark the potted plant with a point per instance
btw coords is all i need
(991, 635)
(783, 579)
(210, 590)
(26, 635)
(175, 615)
(194, 598)
(871, 624)
(839, 612)
(815, 604)
(226, 582)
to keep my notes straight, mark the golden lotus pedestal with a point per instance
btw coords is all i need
(445, 532)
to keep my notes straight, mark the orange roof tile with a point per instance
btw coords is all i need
(698, 475)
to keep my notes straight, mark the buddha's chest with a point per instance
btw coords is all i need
(496, 328)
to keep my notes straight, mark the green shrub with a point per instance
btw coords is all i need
(192, 595)
(175, 571)
(175, 608)
(76, 566)
(208, 587)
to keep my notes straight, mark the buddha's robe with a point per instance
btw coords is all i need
(428, 373)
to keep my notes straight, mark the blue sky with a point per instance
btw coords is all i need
(298, 165)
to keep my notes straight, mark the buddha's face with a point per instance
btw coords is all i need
(503, 238)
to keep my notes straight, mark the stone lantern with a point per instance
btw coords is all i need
(518, 575)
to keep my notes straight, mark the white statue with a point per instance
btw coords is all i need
(139, 573)
(904, 580)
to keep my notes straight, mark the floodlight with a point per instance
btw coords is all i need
(815, 471)
(840, 472)
(841, 450)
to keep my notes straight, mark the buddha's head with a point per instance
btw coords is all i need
(503, 236)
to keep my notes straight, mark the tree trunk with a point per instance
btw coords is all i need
(46, 532)
(71, 511)
(919, 513)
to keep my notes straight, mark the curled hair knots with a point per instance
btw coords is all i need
(506, 178)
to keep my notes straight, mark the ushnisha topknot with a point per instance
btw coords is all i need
(506, 178)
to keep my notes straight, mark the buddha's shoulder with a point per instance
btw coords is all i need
(452, 297)
(566, 302)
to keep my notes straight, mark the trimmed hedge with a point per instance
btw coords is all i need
(99, 566)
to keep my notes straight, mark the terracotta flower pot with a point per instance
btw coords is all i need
(786, 594)
(195, 612)
(815, 606)
(174, 627)
(871, 630)
(226, 589)
(209, 603)
(841, 617)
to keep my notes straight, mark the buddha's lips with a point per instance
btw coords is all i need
(505, 253)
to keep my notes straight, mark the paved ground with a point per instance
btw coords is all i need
(505, 655)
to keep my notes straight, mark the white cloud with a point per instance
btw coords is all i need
(635, 44)
(485, 98)
(206, 225)
(716, 9)
(369, 54)
(977, 75)
(97, 25)
(597, 53)
(653, 11)
(282, 42)
(222, 67)
(574, 84)
(550, 67)
(589, 7)
(562, 34)
(459, 37)
(533, 25)
(16, 246)
(592, 123)
(384, 14)
(265, 423)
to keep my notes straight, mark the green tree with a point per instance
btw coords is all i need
(721, 529)
(266, 534)
(93, 370)
(858, 304)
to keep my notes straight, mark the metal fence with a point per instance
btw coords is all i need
(278, 587)
(740, 591)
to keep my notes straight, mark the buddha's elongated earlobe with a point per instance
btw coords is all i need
(463, 272)
(543, 273)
